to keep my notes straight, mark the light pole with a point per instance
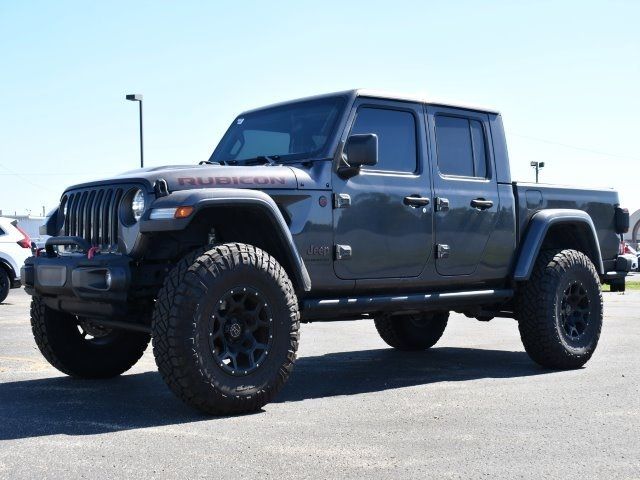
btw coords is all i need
(136, 97)
(537, 166)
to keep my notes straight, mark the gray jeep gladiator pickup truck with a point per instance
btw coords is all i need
(341, 206)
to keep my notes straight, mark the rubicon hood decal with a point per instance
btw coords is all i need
(226, 180)
(230, 176)
(212, 176)
(186, 177)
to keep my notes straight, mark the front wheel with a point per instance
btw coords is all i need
(80, 348)
(559, 310)
(5, 284)
(225, 329)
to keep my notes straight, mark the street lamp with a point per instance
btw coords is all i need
(136, 97)
(537, 166)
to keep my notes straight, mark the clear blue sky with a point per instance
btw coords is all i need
(566, 76)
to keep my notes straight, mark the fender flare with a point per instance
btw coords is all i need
(539, 225)
(201, 199)
(6, 264)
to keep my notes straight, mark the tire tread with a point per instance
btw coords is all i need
(182, 286)
(535, 310)
(121, 356)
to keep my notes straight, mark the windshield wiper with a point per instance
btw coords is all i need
(219, 162)
(268, 159)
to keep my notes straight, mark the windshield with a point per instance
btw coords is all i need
(288, 132)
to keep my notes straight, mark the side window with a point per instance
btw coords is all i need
(1, 232)
(396, 130)
(461, 147)
(479, 149)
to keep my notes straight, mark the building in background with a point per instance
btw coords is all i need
(633, 236)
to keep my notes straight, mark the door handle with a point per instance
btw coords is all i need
(481, 203)
(442, 204)
(416, 201)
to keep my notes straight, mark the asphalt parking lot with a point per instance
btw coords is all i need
(474, 406)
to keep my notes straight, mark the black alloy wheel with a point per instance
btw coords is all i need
(241, 330)
(575, 311)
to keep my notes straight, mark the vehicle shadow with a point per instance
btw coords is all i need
(62, 405)
(363, 371)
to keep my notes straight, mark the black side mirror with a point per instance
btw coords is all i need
(359, 150)
(362, 150)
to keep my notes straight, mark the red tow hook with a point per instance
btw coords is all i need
(92, 252)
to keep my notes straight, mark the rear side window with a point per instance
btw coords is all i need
(461, 145)
(396, 131)
(1, 231)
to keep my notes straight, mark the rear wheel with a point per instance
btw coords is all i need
(80, 348)
(5, 284)
(225, 329)
(412, 331)
(559, 310)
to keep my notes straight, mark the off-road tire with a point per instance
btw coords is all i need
(5, 284)
(541, 315)
(63, 345)
(413, 331)
(186, 310)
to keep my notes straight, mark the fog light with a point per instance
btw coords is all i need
(107, 279)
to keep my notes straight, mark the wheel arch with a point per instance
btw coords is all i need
(557, 228)
(262, 224)
(4, 264)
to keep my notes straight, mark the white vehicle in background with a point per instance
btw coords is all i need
(15, 248)
(632, 254)
(634, 261)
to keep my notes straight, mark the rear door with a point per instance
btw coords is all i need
(387, 234)
(466, 199)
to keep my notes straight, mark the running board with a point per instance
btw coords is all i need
(315, 309)
(134, 327)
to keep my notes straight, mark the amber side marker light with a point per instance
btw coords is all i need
(183, 212)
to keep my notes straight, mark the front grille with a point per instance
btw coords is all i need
(93, 215)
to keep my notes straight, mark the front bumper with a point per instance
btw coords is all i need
(79, 285)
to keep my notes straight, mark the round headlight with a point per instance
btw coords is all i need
(137, 205)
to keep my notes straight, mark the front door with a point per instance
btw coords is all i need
(465, 188)
(379, 231)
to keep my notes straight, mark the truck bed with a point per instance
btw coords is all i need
(598, 203)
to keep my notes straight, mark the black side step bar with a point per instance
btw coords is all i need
(134, 327)
(315, 309)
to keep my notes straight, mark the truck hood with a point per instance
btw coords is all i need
(184, 177)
